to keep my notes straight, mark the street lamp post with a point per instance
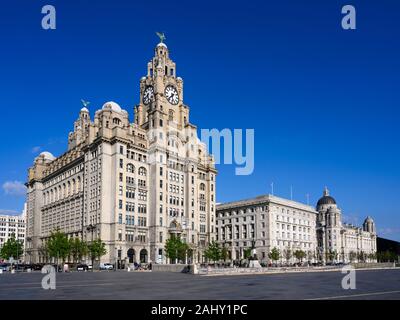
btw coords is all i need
(116, 259)
(90, 228)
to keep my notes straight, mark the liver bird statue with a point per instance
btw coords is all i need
(85, 103)
(161, 35)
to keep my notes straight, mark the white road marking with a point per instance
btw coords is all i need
(356, 295)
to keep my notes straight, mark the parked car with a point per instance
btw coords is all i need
(82, 267)
(106, 266)
(18, 267)
(28, 266)
(37, 266)
(5, 266)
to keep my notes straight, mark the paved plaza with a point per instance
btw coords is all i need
(371, 284)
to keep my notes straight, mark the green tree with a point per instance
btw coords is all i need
(247, 253)
(58, 246)
(352, 256)
(299, 254)
(287, 253)
(275, 254)
(78, 249)
(213, 252)
(224, 253)
(12, 248)
(331, 255)
(183, 249)
(175, 249)
(372, 256)
(361, 256)
(96, 250)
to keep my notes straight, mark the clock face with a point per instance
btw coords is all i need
(172, 94)
(148, 95)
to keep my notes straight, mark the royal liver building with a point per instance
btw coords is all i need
(131, 184)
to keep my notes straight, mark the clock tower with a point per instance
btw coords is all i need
(182, 174)
(161, 93)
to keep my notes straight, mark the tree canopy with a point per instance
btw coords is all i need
(176, 249)
(11, 248)
(213, 251)
(275, 254)
(58, 245)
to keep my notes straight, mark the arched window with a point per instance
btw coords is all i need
(130, 168)
(73, 186)
(142, 171)
(202, 186)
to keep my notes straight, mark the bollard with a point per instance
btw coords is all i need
(12, 271)
(1, 271)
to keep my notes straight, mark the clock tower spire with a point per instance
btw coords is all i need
(161, 92)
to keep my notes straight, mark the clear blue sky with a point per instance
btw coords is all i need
(324, 102)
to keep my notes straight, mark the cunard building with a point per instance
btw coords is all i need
(269, 222)
(131, 184)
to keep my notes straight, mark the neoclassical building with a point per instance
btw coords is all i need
(131, 184)
(274, 222)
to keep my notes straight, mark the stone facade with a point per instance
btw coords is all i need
(131, 184)
(268, 220)
(339, 241)
(273, 222)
